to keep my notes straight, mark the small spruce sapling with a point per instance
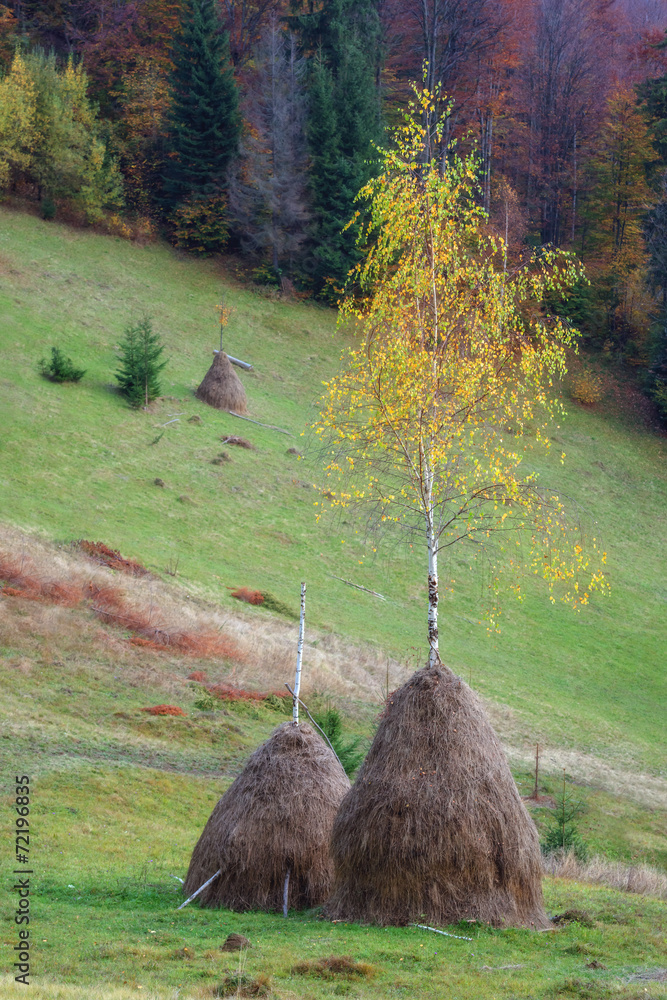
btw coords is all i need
(140, 363)
(350, 752)
(60, 368)
(562, 834)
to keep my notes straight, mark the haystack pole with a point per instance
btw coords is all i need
(434, 830)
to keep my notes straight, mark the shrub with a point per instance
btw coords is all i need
(201, 225)
(587, 388)
(60, 368)
(140, 364)
(561, 835)
(48, 208)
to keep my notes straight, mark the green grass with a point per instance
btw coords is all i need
(106, 851)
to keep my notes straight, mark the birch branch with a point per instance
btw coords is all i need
(271, 427)
(459, 937)
(357, 586)
(200, 889)
(305, 708)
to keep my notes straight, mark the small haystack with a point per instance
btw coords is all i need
(276, 817)
(222, 387)
(434, 830)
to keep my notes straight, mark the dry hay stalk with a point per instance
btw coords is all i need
(221, 386)
(615, 874)
(277, 816)
(434, 829)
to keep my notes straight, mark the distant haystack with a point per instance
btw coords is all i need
(274, 819)
(221, 387)
(434, 830)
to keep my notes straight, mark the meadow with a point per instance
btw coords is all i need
(120, 796)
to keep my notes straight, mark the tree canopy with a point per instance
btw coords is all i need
(424, 425)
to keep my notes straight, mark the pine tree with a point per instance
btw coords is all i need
(140, 364)
(204, 123)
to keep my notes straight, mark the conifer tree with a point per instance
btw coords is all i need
(204, 122)
(140, 364)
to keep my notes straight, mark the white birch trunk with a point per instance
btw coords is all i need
(432, 541)
(299, 655)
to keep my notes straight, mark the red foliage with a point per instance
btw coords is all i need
(164, 710)
(197, 675)
(112, 558)
(248, 595)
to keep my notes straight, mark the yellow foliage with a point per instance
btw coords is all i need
(17, 120)
(454, 348)
(587, 388)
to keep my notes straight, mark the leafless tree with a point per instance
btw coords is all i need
(268, 196)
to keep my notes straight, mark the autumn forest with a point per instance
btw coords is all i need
(250, 126)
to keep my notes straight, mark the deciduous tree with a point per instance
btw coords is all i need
(455, 348)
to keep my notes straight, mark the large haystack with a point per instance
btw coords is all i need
(277, 816)
(222, 387)
(434, 830)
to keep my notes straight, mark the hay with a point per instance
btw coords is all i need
(276, 816)
(434, 830)
(222, 387)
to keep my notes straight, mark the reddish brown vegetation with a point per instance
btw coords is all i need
(31, 588)
(197, 675)
(21, 580)
(248, 595)
(225, 692)
(101, 553)
(111, 606)
(164, 710)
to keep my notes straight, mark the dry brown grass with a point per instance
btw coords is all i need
(335, 967)
(615, 874)
(260, 647)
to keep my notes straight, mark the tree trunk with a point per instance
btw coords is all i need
(433, 654)
(299, 654)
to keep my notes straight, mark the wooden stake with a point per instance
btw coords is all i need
(285, 893)
(537, 771)
(299, 655)
(200, 889)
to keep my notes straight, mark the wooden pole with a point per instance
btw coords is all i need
(299, 656)
(285, 893)
(200, 889)
(537, 771)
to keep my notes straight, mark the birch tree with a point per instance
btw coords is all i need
(456, 351)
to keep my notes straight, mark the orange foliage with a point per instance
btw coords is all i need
(197, 675)
(248, 595)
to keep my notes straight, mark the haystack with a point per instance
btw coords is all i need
(434, 830)
(276, 817)
(222, 387)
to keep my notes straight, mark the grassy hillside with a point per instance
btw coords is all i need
(119, 796)
(76, 462)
